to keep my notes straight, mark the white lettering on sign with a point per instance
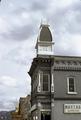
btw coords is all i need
(72, 108)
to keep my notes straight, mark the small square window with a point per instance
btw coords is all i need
(71, 85)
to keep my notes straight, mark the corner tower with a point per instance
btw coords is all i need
(42, 85)
(44, 45)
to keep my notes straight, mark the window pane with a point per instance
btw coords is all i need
(45, 82)
(71, 81)
(71, 88)
(71, 84)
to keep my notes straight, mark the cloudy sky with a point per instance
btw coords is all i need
(19, 26)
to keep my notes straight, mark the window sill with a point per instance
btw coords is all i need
(72, 93)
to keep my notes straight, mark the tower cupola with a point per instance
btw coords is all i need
(44, 45)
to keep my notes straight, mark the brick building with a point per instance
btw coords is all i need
(24, 107)
(22, 112)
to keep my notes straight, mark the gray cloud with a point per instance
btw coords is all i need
(75, 22)
(2, 105)
(68, 52)
(19, 33)
(1, 92)
(19, 10)
(20, 54)
(70, 19)
(39, 5)
(34, 5)
(8, 105)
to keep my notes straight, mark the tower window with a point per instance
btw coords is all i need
(45, 82)
(71, 85)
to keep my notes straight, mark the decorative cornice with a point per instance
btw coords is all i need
(57, 62)
(67, 68)
(67, 65)
(39, 61)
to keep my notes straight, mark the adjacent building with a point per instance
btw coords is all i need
(55, 82)
(24, 107)
(15, 114)
(22, 111)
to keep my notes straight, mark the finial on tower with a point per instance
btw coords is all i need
(44, 22)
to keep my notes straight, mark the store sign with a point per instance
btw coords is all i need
(72, 108)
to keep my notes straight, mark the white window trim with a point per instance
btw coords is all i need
(52, 83)
(68, 86)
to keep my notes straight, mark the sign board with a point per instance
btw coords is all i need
(72, 108)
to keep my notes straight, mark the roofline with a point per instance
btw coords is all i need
(55, 57)
(66, 56)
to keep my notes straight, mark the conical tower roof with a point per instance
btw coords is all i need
(45, 33)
